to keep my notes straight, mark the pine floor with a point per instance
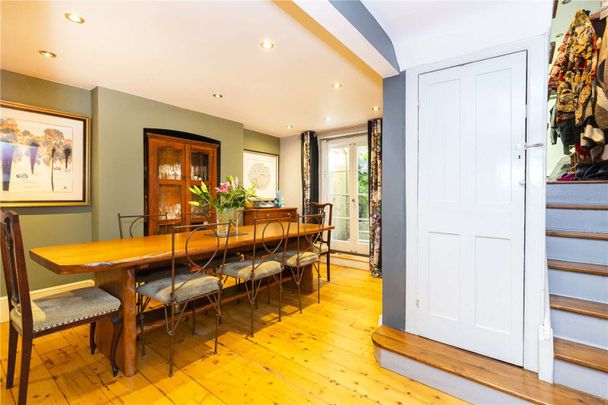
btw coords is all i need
(324, 355)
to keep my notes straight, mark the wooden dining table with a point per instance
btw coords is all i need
(115, 262)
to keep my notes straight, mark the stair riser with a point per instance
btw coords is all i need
(577, 193)
(578, 285)
(580, 328)
(577, 250)
(578, 220)
(581, 378)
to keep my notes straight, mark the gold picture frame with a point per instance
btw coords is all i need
(45, 157)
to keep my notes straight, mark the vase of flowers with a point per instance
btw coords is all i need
(229, 199)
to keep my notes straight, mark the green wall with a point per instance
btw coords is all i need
(118, 158)
(260, 142)
(117, 124)
(55, 225)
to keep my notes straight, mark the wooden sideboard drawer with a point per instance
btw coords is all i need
(267, 213)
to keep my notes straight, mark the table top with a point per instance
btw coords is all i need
(134, 252)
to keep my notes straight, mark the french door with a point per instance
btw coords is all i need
(346, 186)
(471, 190)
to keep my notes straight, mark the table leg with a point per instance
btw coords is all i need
(307, 286)
(121, 284)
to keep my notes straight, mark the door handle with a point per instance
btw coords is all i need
(526, 146)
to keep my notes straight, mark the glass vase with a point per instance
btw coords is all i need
(224, 216)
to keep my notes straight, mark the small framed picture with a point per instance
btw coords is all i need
(44, 157)
(261, 169)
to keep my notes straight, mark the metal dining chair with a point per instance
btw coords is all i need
(179, 290)
(305, 253)
(323, 247)
(32, 318)
(269, 245)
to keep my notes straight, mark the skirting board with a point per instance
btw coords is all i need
(43, 292)
(346, 260)
(451, 384)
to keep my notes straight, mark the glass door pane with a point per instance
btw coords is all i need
(170, 163)
(363, 193)
(199, 166)
(338, 163)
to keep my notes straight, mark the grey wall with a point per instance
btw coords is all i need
(393, 202)
(259, 142)
(360, 17)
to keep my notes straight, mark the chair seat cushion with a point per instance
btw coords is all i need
(193, 286)
(292, 259)
(68, 307)
(320, 248)
(151, 274)
(242, 269)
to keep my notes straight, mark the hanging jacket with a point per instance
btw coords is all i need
(573, 72)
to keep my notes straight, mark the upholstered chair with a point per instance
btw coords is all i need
(32, 318)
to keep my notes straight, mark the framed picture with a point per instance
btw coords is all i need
(44, 157)
(261, 169)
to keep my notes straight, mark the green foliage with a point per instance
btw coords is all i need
(229, 194)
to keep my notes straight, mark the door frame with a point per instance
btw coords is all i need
(348, 141)
(535, 294)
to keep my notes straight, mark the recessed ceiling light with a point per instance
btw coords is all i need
(375, 108)
(266, 44)
(75, 18)
(337, 85)
(47, 54)
(217, 95)
(289, 126)
(327, 119)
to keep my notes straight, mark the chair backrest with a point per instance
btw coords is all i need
(317, 208)
(134, 221)
(13, 264)
(310, 232)
(270, 236)
(212, 233)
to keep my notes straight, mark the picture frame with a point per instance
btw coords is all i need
(44, 157)
(261, 169)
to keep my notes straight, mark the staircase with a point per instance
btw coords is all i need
(577, 251)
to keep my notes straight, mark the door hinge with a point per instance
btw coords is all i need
(417, 303)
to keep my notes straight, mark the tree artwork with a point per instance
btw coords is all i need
(49, 150)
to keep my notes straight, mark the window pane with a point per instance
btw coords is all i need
(341, 206)
(338, 159)
(364, 230)
(363, 206)
(339, 182)
(341, 230)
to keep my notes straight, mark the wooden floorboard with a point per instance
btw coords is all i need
(322, 356)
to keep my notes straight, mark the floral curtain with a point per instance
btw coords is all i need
(310, 168)
(374, 139)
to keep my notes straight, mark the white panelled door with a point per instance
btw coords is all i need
(471, 190)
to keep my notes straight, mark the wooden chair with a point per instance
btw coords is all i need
(179, 290)
(306, 252)
(265, 261)
(32, 318)
(323, 247)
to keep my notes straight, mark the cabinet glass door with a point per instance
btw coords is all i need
(170, 162)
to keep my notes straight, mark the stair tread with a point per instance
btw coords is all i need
(578, 306)
(577, 235)
(574, 206)
(492, 373)
(583, 355)
(576, 267)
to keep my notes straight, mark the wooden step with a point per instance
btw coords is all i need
(492, 373)
(592, 207)
(578, 306)
(583, 355)
(575, 267)
(577, 235)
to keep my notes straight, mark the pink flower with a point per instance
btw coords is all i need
(223, 188)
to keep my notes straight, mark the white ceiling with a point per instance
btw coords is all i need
(426, 31)
(182, 52)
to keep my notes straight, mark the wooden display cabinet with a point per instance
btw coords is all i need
(173, 165)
